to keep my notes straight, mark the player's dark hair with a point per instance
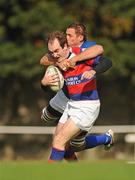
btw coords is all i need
(57, 35)
(80, 29)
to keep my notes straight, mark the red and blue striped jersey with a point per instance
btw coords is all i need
(75, 88)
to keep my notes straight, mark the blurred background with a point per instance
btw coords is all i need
(24, 25)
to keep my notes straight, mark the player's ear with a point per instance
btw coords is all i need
(65, 46)
(81, 37)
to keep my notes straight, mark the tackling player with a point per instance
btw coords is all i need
(76, 35)
(83, 105)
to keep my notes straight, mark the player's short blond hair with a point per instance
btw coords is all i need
(79, 28)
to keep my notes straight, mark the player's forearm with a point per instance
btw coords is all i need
(104, 64)
(88, 53)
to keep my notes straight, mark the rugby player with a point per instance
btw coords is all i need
(83, 103)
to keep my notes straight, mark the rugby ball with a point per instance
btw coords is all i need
(53, 70)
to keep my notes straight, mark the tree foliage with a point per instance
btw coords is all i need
(24, 25)
(23, 29)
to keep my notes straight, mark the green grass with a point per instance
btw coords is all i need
(40, 170)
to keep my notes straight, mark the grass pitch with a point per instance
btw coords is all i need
(40, 170)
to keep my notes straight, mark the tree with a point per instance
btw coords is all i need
(23, 29)
(24, 25)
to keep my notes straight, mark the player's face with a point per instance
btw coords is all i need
(72, 38)
(55, 50)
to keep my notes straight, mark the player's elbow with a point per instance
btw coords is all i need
(43, 82)
(41, 61)
(100, 49)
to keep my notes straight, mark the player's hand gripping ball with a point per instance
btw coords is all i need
(53, 70)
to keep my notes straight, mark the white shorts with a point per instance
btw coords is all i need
(83, 113)
(59, 101)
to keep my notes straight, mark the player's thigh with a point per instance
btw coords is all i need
(68, 131)
(83, 113)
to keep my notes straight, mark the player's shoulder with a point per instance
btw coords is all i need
(75, 50)
(87, 44)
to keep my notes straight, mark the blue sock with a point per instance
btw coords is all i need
(96, 140)
(70, 155)
(57, 154)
